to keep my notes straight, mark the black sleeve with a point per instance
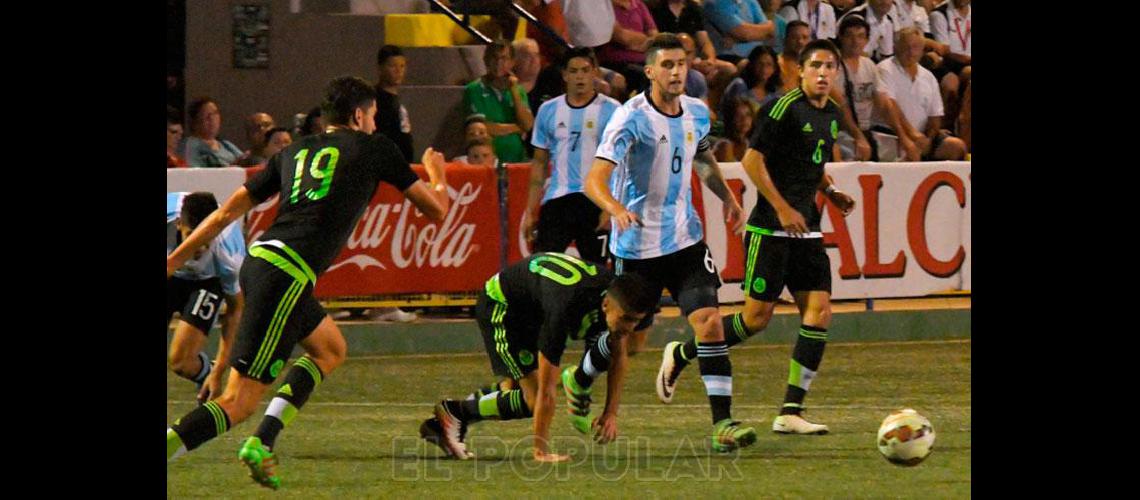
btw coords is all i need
(391, 164)
(266, 183)
(704, 145)
(766, 130)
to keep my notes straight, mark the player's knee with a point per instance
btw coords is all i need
(183, 365)
(756, 321)
(706, 325)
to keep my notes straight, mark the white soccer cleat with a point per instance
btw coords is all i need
(666, 379)
(451, 439)
(795, 424)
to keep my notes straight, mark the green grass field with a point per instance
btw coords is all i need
(357, 437)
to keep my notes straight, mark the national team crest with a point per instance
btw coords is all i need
(589, 123)
(688, 137)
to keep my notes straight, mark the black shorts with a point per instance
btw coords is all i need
(771, 262)
(198, 301)
(948, 66)
(510, 337)
(690, 275)
(571, 218)
(280, 310)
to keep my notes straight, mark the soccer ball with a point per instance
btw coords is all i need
(906, 438)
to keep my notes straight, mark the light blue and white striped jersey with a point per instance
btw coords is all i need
(224, 258)
(571, 136)
(654, 156)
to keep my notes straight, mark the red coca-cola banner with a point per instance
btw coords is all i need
(395, 249)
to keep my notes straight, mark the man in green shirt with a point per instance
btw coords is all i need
(499, 97)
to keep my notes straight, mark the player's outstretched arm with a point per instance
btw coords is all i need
(606, 428)
(235, 207)
(598, 191)
(709, 172)
(544, 410)
(432, 198)
(534, 191)
(791, 220)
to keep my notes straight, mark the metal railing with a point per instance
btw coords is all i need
(463, 22)
(545, 29)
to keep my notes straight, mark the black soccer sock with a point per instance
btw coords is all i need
(498, 405)
(806, 356)
(735, 332)
(302, 379)
(716, 372)
(200, 425)
(203, 372)
(594, 362)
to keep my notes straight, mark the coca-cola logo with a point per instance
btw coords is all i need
(446, 244)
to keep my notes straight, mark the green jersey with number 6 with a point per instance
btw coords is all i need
(796, 139)
(559, 295)
(325, 182)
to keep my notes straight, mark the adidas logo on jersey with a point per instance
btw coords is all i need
(561, 125)
(663, 140)
(807, 127)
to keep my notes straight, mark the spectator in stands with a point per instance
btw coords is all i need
(737, 127)
(203, 147)
(474, 129)
(686, 16)
(915, 113)
(695, 84)
(856, 93)
(964, 120)
(880, 15)
(819, 16)
(736, 26)
(912, 13)
(625, 53)
(527, 63)
(589, 23)
(796, 38)
(480, 152)
(498, 96)
(549, 13)
(771, 8)
(950, 25)
(173, 139)
(276, 139)
(312, 124)
(842, 6)
(255, 128)
(391, 118)
(759, 82)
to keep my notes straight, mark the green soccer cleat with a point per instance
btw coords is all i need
(260, 461)
(729, 436)
(579, 401)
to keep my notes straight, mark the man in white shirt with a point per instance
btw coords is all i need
(950, 25)
(915, 113)
(819, 16)
(881, 16)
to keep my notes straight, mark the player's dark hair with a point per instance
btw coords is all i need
(386, 52)
(633, 293)
(197, 206)
(583, 52)
(663, 41)
(343, 96)
(814, 45)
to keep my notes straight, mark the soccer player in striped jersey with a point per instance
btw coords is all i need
(566, 133)
(794, 135)
(197, 289)
(649, 151)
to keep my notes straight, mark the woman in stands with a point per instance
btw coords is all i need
(203, 147)
(759, 81)
(737, 130)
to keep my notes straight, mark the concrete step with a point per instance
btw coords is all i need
(456, 65)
